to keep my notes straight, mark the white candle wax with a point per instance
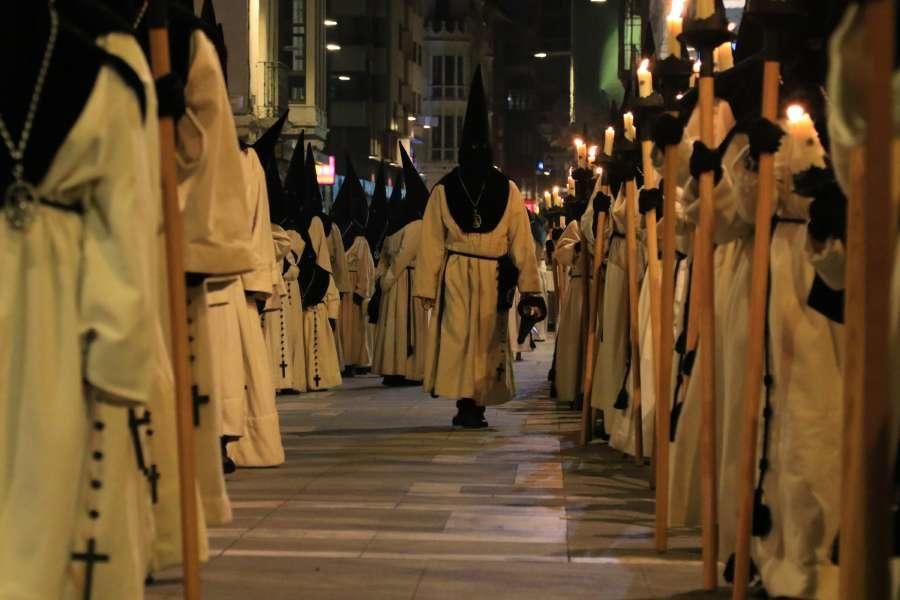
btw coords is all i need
(674, 27)
(609, 137)
(628, 120)
(806, 149)
(645, 79)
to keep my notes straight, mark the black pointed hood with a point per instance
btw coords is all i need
(294, 180)
(265, 144)
(476, 192)
(350, 210)
(216, 34)
(312, 201)
(475, 142)
(416, 190)
(378, 213)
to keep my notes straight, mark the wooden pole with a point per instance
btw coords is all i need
(587, 415)
(666, 345)
(865, 543)
(759, 286)
(703, 263)
(653, 272)
(631, 218)
(159, 60)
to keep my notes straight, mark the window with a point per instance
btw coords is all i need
(445, 136)
(447, 77)
(297, 76)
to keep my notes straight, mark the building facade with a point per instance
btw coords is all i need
(376, 83)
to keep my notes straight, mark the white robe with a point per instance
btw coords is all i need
(569, 338)
(468, 345)
(400, 338)
(260, 443)
(320, 360)
(353, 320)
(340, 272)
(78, 276)
(275, 317)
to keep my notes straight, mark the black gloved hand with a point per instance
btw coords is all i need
(669, 131)
(650, 199)
(602, 203)
(628, 166)
(704, 160)
(170, 96)
(357, 299)
(811, 181)
(765, 137)
(260, 306)
(828, 214)
(577, 247)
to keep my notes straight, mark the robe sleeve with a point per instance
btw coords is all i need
(339, 259)
(116, 319)
(259, 280)
(211, 185)
(320, 244)
(409, 247)
(431, 255)
(521, 245)
(565, 253)
(365, 274)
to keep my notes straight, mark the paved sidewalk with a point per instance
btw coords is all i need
(380, 498)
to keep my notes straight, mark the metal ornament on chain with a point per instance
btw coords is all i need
(476, 216)
(20, 199)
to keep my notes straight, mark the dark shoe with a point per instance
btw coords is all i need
(463, 408)
(411, 383)
(392, 380)
(228, 466)
(474, 418)
(348, 373)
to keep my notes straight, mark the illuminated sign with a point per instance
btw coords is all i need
(325, 173)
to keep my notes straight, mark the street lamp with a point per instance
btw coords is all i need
(343, 78)
(332, 47)
(330, 23)
(541, 55)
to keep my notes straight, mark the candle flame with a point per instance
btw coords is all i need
(611, 129)
(697, 67)
(555, 189)
(599, 171)
(592, 152)
(645, 65)
(677, 9)
(795, 112)
(579, 142)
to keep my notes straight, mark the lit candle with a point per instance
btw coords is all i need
(548, 198)
(628, 120)
(705, 8)
(579, 143)
(592, 153)
(609, 136)
(806, 149)
(696, 74)
(674, 27)
(645, 79)
(556, 201)
(723, 57)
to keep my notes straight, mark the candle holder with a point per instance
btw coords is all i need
(778, 18)
(647, 110)
(674, 77)
(706, 34)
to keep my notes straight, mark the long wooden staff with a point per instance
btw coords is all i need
(865, 544)
(759, 286)
(587, 420)
(159, 59)
(631, 218)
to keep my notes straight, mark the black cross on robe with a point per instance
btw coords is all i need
(134, 424)
(90, 557)
(198, 399)
(153, 477)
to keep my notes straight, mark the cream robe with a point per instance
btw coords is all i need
(260, 444)
(802, 484)
(468, 345)
(353, 320)
(274, 317)
(610, 370)
(320, 361)
(78, 276)
(293, 317)
(569, 339)
(211, 191)
(341, 275)
(400, 338)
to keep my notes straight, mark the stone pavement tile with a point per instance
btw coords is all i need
(487, 550)
(546, 581)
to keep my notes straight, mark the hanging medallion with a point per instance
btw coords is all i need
(476, 220)
(20, 204)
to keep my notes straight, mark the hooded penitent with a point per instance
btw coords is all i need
(295, 179)
(312, 200)
(476, 192)
(265, 152)
(416, 190)
(378, 214)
